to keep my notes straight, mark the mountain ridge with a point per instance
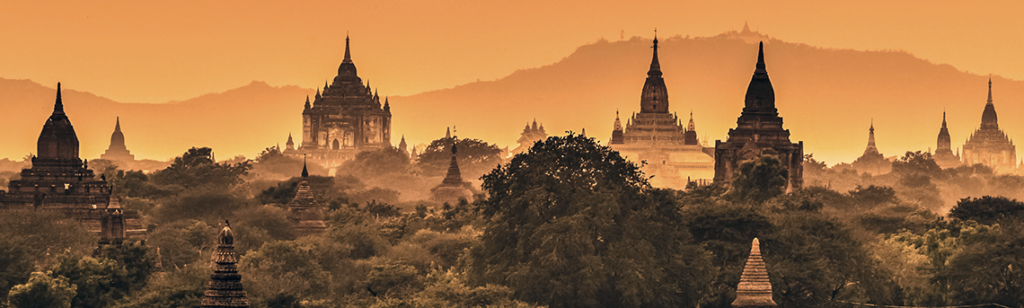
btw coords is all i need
(827, 97)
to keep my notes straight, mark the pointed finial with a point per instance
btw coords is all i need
(58, 107)
(348, 55)
(989, 88)
(117, 127)
(305, 173)
(760, 56)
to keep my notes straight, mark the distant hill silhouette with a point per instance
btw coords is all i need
(826, 96)
(239, 121)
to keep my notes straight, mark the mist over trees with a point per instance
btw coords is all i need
(569, 223)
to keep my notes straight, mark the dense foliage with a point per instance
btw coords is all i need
(570, 223)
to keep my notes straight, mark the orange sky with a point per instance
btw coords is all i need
(158, 51)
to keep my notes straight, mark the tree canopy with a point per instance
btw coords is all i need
(573, 224)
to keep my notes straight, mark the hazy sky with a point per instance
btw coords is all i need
(158, 51)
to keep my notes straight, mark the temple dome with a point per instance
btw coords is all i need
(58, 139)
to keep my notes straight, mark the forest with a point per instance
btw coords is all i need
(570, 223)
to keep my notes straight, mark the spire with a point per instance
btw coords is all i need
(454, 176)
(655, 65)
(347, 69)
(943, 119)
(618, 124)
(760, 58)
(989, 89)
(305, 172)
(690, 126)
(307, 102)
(760, 97)
(387, 106)
(448, 134)
(654, 98)
(871, 140)
(58, 107)
(318, 94)
(117, 125)
(348, 55)
(754, 289)
(989, 120)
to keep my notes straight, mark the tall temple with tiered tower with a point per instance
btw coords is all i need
(672, 152)
(989, 145)
(117, 151)
(58, 179)
(343, 120)
(944, 156)
(759, 132)
(872, 161)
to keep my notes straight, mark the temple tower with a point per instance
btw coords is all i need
(59, 179)
(755, 289)
(225, 286)
(944, 156)
(304, 211)
(657, 136)
(759, 132)
(872, 161)
(989, 145)
(452, 188)
(117, 151)
(347, 117)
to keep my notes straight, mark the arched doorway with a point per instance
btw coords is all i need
(335, 145)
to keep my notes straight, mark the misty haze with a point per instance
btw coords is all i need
(624, 167)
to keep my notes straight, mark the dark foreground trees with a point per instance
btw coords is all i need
(573, 224)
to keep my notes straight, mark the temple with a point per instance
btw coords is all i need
(117, 152)
(58, 179)
(989, 145)
(872, 162)
(754, 289)
(529, 136)
(225, 287)
(759, 132)
(304, 211)
(345, 119)
(673, 154)
(452, 188)
(944, 156)
(403, 147)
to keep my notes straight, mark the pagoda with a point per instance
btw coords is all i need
(117, 151)
(754, 289)
(225, 286)
(672, 152)
(989, 145)
(759, 132)
(304, 211)
(872, 161)
(944, 156)
(452, 188)
(58, 179)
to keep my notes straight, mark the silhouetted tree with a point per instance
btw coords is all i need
(573, 224)
(759, 180)
(987, 209)
(475, 157)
